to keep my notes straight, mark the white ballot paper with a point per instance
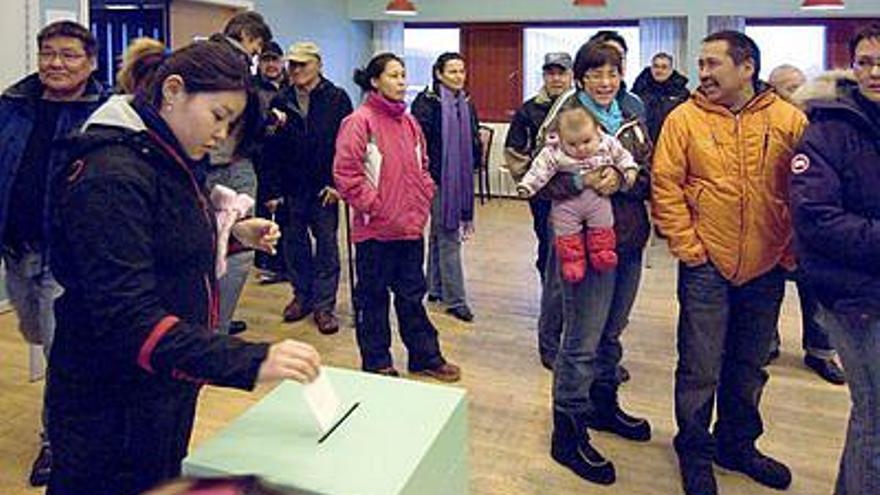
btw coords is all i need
(323, 401)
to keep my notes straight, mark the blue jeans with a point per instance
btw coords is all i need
(582, 357)
(858, 342)
(815, 339)
(724, 334)
(32, 292)
(241, 178)
(540, 209)
(314, 272)
(445, 273)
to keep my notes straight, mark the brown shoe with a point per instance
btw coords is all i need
(446, 372)
(327, 322)
(295, 310)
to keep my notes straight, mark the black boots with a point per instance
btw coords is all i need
(608, 416)
(571, 447)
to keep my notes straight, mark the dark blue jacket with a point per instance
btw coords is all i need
(835, 201)
(17, 115)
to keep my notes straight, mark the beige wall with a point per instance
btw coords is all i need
(190, 18)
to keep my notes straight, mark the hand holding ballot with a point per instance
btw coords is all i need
(291, 360)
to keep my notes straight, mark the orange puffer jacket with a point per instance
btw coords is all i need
(720, 184)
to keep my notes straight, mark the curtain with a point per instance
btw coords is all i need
(665, 34)
(726, 22)
(388, 37)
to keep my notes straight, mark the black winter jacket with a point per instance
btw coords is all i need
(298, 158)
(835, 201)
(427, 110)
(660, 98)
(134, 245)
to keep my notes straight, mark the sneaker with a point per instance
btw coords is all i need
(620, 423)
(432, 298)
(462, 312)
(327, 322)
(446, 372)
(698, 478)
(296, 310)
(42, 467)
(826, 368)
(757, 466)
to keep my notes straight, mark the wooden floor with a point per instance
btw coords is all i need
(508, 389)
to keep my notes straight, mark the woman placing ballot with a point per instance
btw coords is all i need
(135, 244)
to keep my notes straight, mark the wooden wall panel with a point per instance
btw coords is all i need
(192, 18)
(494, 53)
(838, 32)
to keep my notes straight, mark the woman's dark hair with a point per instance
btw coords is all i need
(142, 59)
(69, 29)
(363, 76)
(595, 54)
(250, 23)
(740, 48)
(440, 64)
(869, 32)
(203, 66)
(605, 36)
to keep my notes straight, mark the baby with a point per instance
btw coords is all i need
(577, 144)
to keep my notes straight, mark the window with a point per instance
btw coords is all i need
(539, 41)
(801, 46)
(421, 47)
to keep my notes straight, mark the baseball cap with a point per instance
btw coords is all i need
(303, 51)
(272, 49)
(557, 59)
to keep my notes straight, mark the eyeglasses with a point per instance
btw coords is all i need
(866, 63)
(67, 58)
(599, 77)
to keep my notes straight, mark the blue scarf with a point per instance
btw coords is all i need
(611, 118)
(457, 167)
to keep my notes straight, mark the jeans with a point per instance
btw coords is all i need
(231, 285)
(580, 359)
(394, 265)
(627, 276)
(540, 209)
(314, 272)
(857, 338)
(445, 274)
(815, 340)
(32, 292)
(550, 318)
(724, 334)
(240, 177)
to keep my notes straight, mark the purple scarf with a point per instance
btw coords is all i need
(457, 167)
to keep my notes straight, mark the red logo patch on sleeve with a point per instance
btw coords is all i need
(800, 163)
(76, 170)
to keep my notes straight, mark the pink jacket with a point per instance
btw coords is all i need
(381, 170)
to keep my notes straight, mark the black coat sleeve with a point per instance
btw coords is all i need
(109, 216)
(427, 113)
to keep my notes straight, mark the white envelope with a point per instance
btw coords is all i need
(323, 401)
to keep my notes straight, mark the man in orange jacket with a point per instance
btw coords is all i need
(720, 193)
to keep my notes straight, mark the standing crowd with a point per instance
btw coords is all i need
(208, 167)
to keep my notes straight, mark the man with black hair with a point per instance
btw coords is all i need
(249, 31)
(35, 114)
(719, 186)
(661, 88)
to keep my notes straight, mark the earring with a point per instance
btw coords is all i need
(169, 107)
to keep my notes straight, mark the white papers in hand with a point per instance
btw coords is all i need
(323, 401)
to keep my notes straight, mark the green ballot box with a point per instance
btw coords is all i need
(403, 438)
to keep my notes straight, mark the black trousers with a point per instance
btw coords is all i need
(123, 450)
(398, 266)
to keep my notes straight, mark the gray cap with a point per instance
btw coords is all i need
(558, 59)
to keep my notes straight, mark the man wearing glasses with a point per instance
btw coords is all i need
(836, 214)
(35, 113)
